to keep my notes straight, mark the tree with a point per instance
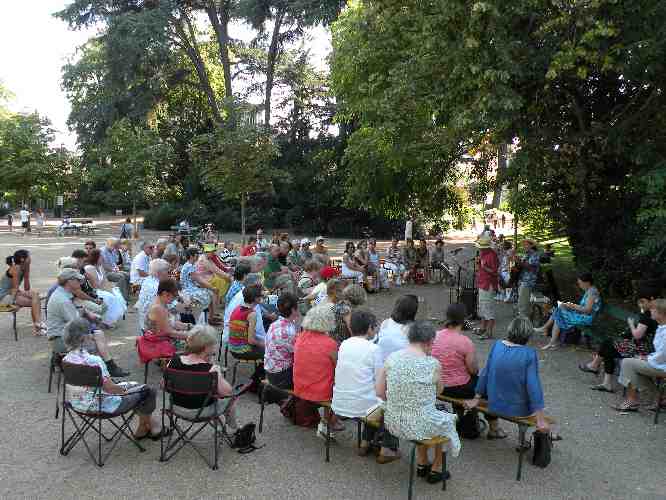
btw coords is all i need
(132, 160)
(24, 153)
(236, 162)
(577, 87)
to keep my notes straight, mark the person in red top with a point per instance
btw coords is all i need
(251, 248)
(487, 281)
(460, 368)
(315, 357)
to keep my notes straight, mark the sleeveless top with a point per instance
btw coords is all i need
(6, 282)
(184, 400)
(150, 324)
(238, 330)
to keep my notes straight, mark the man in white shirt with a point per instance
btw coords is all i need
(262, 243)
(141, 264)
(356, 373)
(25, 219)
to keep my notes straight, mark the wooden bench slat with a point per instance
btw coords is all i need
(483, 408)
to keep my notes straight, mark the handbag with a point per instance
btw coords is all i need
(469, 425)
(244, 438)
(543, 444)
(152, 346)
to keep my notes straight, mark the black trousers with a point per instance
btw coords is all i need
(466, 391)
(609, 354)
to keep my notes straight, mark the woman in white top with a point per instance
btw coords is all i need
(116, 307)
(392, 334)
(354, 392)
(350, 268)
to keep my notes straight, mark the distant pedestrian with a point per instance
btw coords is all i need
(40, 218)
(10, 222)
(25, 219)
(126, 230)
(503, 220)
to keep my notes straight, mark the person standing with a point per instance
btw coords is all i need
(262, 243)
(487, 279)
(40, 217)
(126, 230)
(409, 229)
(24, 214)
(10, 222)
(529, 270)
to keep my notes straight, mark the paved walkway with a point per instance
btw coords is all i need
(603, 455)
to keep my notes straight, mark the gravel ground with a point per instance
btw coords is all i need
(603, 454)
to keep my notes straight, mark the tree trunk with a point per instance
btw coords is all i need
(501, 169)
(273, 55)
(220, 22)
(243, 218)
(191, 47)
(136, 226)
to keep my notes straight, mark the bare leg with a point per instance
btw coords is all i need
(490, 328)
(437, 460)
(422, 455)
(595, 363)
(102, 346)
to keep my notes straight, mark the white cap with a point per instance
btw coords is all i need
(305, 241)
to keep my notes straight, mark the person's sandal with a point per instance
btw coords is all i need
(601, 388)
(423, 470)
(586, 369)
(626, 406)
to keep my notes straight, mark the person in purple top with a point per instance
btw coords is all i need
(510, 380)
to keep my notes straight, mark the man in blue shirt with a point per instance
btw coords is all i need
(528, 277)
(110, 259)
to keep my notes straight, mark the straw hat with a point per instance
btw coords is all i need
(320, 319)
(483, 242)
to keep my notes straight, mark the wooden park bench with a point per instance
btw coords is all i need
(523, 423)
(609, 321)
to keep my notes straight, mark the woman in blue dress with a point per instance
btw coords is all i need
(568, 315)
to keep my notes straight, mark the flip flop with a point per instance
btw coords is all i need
(625, 407)
(602, 388)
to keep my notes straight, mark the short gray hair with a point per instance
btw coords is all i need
(142, 244)
(158, 265)
(520, 330)
(421, 332)
(75, 332)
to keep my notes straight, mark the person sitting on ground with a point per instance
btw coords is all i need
(113, 272)
(635, 343)
(61, 310)
(115, 397)
(277, 276)
(209, 268)
(457, 356)
(280, 339)
(423, 258)
(639, 373)
(356, 373)
(200, 348)
(409, 383)
(159, 319)
(304, 253)
(251, 248)
(89, 245)
(375, 268)
(320, 252)
(309, 279)
(243, 341)
(344, 302)
(568, 315)
(159, 270)
(141, 263)
(199, 292)
(350, 266)
(315, 356)
(487, 281)
(395, 262)
(510, 380)
(392, 334)
(116, 307)
(17, 273)
(126, 230)
(410, 258)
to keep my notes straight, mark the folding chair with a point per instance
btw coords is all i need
(92, 419)
(189, 383)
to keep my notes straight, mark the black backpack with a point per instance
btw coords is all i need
(542, 446)
(244, 438)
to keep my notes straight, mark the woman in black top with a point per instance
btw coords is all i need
(635, 342)
(200, 349)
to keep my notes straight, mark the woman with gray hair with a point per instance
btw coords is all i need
(117, 398)
(409, 383)
(510, 380)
